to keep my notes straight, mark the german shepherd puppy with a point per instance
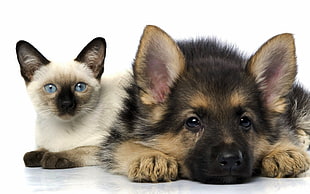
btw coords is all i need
(200, 110)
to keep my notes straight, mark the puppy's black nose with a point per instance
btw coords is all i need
(230, 159)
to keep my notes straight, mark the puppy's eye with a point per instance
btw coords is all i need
(193, 124)
(80, 87)
(245, 122)
(50, 88)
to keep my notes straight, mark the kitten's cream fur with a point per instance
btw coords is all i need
(70, 140)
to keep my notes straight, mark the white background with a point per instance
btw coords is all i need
(59, 29)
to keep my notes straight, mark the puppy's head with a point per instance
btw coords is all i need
(63, 90)
(208, 106)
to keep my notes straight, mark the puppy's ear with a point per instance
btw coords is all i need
(93, 55)
(158, 64)
(30, 59)
(274, 69)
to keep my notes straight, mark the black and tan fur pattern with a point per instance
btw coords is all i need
(200, 110)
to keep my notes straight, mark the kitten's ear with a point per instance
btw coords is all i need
(30, 59)
(93, 55)
(158, 64)
(274, 69)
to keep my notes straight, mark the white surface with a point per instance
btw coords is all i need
(95, 180)
(60, 29)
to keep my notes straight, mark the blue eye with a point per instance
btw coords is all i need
(50, 88)
(80, 87)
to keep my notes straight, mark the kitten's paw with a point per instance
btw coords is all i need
(154, 168)
(286, 163)
(54, 160)
(33, 159)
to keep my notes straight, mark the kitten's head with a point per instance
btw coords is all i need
(63, 90)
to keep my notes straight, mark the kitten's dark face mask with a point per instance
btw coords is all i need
(67, 100)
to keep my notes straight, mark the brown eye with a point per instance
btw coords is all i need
(245, 123)
(193, 124)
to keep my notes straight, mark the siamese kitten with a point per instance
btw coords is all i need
(74, 105)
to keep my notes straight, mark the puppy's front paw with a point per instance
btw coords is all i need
(33, 159)
(286, 163)
(52, 160)
(154, 168)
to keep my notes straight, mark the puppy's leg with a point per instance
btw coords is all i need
(144, 164)
(78, 157)
(33, 158)
(285, 161)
